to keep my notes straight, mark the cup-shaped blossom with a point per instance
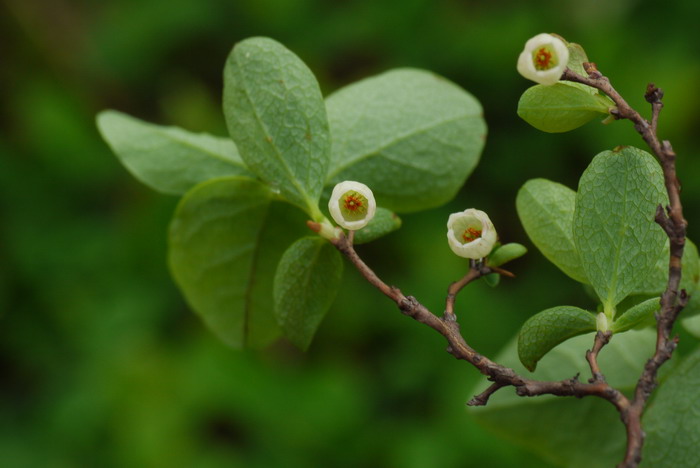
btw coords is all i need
(470, 234)
(544, 59)
(352, 205)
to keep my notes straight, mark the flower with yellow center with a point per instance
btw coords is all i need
(352, 205)
(470, 234)
(544, 59)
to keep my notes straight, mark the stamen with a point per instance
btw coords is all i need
(470, 235)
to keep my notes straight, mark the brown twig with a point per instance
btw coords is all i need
(601, 339)
(674, 225)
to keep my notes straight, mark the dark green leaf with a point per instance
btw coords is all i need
(543, 331)
(226, 239)
(411, 136)
(276, 115)
(168, 159)
(306, 282)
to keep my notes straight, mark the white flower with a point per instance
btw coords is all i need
(352, 205)
(471, 234)
(544, 59)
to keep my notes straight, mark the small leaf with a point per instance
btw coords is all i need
(506, 253)
(492, 279)
(306, 282)
(411, 136)
(546, 210)
(168, 159)
(636, 315)
(226, 239)
(577, 57)
(545, 330)
(614, 229)
(383, 223)
(672, 421)
(276, 115)
(561, 107)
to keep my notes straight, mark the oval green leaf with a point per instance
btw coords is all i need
(506, 253)
(546, 211)
(543, 331)
(561, 107)
(226, 238)
(411, 136)
(168, 159)
(306, 282)
(654, 282)
(276, 115)
(614, 229)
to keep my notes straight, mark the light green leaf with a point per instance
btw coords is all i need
(306, 282)
(590, 422)
(561, 107)
(546, 210)
(383, 223)
(577, 57)
(226, 239)
(636, 315)
(546, 329)
(411, 136)
(506, 253)
(672, 421)
(654, 282)
(168, 159)
(690, 316)
(614, 229)
(276, 115)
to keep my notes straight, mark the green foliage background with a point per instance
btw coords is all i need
(102, 364)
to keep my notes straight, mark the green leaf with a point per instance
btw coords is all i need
(561, 107)
(546, 210)
(168, 159)
(636, 315)
(690, 317)
(672, 421)
(276, 115)
(506, 253)
(577, 57)
(590, 422)
(492, 279)
(306, 282)
(546, 329)
(226, 239)
(411, 136)
(383, 223)
(654, 282)
(614, 229)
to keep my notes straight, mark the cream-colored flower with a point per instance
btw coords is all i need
(471, 234)
(352, 205)
(544, 59)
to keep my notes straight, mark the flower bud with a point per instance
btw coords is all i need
(352, 205)
(471, 234)
(544, 59)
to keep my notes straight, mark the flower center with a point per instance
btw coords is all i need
(544, 58)
(470, 235)
(353, 205)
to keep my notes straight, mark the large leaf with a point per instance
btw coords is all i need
(276, 115)
(226, 239)
(546, 329)
(562, 430)
(411, 136)
(672, 422)
(561, 107)
(306, 282)
(546, 210)
(614, 229)
(168, 159)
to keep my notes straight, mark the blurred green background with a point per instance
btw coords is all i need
(101, 362)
